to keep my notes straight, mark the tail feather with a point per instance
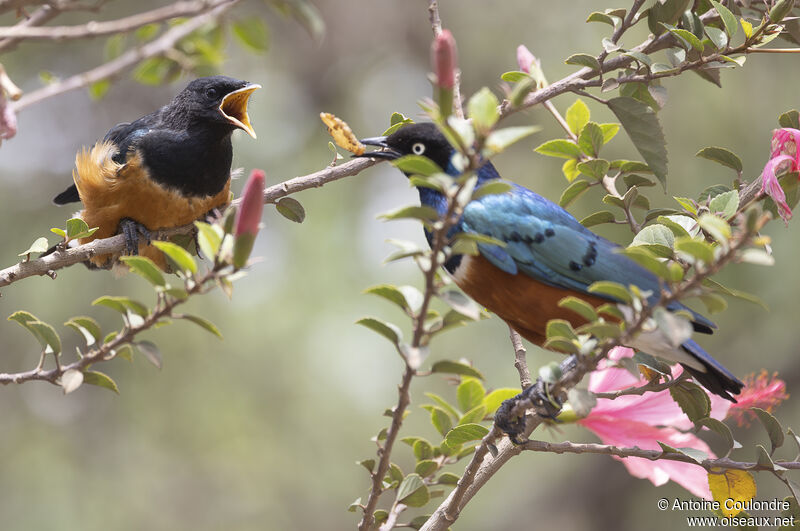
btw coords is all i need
(715, 378)
(70, 195)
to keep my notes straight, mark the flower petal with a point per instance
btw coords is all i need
(771, 187)
(524, 58)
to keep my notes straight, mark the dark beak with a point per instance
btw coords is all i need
(380, 141)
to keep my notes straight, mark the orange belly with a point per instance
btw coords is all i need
(522, 302)
(111, 192)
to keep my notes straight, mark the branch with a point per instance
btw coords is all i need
(97, 29)
(47, 265)
(519, 359)
(653, 455)
(130, 58)
(652, 387)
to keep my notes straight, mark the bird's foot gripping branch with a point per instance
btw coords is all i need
(562, 287)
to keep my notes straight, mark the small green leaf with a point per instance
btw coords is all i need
(475, 414)
(583, 59)
(595, 168)
(426, 467)
(591, 139)
(493, 187)
(122, 305)
(499, 140)
(100, 379)
(465, 433)
(448, 478)
(455, 367)
(75, 227)
(720, 428)
(98, 89)
(728, 19)
(686, 38)
(790, 119)
(412, 491)
(60, 232)
(692, 400)
(252, 33)
(203, 323)
(773, 427)
(209, 238)
(71, 380)
(725, 204)
(470, 394)
(579, 306)
(178, 255)
(565, 149)
(645, 132)
(600, 17)
(717, 227)
(147, 32)
(150, 351)
(698, 249)
(722, 156)
(493, 400)
(560, 328)
(440, 420)
(572, 192)
(291, 209)
(604, 216)
(87, 327)
(482, 109)
(461, 303)
(609, 132)
(577, 116)
(145, 268)
(417, 165)
(40, 245)
(387, 330)
(420, 212)
(612, 289)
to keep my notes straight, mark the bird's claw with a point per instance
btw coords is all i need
(536, 397)
(132, 229)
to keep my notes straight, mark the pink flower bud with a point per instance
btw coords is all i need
(525, 58)
(248, 216)
(445, 59)
(784, 156)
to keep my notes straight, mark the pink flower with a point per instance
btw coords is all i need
(248, 217)
(642, 421)
(785, 156)
(525, 58)
(759, 391)
(445, 59)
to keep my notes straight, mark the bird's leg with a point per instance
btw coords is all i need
(537, 397)
(132, 229)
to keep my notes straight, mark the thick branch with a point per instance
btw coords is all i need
(110, 27)
(128, 59)
(653, 455)
(115, 244)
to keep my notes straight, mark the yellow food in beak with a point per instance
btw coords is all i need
(234, 108)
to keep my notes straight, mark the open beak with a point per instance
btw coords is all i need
(380, 141)
(234, 107)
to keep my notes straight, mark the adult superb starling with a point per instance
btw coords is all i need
(165, 169)
(548, 255)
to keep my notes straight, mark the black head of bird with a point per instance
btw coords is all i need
(218, 100)
(422, 139)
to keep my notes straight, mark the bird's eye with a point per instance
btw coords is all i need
(211, 93)
(418, 148)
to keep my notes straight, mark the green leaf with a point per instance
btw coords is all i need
(692, 400)
(609, 132)
(577, 116)
(114, 46)
(390, 293)
(790, 119)
(773, 427)
(728, 19)
(150, 351)
(469, 394)
(122, 305)
(686, 38)
(448, 478)
(475, 414)
(645, 132)
(420, 212)
(717, 37)
(203, 323)
(87, 327)
(668, 11)
(698, 249)
(455, 367)
(725, 204)
(493, 400)
(100, 379)
(722, 156)
(178, 255)
(422, 449)
(426, 468)
(600, 17)
(76, 227)
(583, 59)
(252, 33)
(579, 306)
(570, 169)
(40, 245)
(465, 433)
(145, 268)
(482, 109)
(98, 89)
(604, 216)
(71, 380)
(291, 209)
(565, 149)
(572, 192)
(550, 373)
(560, 328)
(499, 140)
(440, 420)
(654, 235)
(461, 303)
(612, 289)
(595, 168)
(515, 76)
(413, 492)
(780, 10)
(147, 32)
(444, 405)
(714, 303)
(152, 71)
(387, 330)
(493, 187)
(717, 227)
(60, 232)
(591, 139)
(720, 428)
(209, 238)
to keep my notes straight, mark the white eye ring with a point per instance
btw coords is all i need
(418, 148)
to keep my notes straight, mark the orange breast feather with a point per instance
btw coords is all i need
(111, 192)
(524, 303)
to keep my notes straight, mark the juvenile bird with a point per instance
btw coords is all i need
(165, 169)
(548, 256)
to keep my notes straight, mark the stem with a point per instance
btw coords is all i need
(520, 362)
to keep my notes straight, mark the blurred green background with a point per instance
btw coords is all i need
(261, 430)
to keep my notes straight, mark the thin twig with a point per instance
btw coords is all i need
(115, 244)
(653, 455)
(128, 59)
(519, 359)
(650, 387)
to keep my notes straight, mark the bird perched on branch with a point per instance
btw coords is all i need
(163, 170)
(548, 256)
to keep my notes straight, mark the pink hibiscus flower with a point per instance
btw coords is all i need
(785, 156)
(759, 391)
(642, 421)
